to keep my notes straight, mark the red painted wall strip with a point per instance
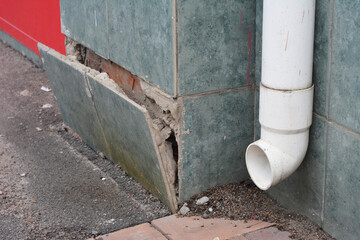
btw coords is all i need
(33, 21)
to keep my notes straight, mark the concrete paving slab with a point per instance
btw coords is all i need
(177, 228)
(142, 232)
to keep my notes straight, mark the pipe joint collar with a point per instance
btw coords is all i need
(286, 110)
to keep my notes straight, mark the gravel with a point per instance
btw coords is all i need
(244, 201)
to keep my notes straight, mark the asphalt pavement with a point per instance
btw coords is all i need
(52, 185)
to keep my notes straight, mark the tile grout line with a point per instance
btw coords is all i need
(255, 113)
(215, 92)
(338, 125)
(107, 28)
(328, 115)
(175, 47)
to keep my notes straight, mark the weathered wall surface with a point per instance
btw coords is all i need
(108, 28)
(205, 57)
(199, 54)
(215, 45)
(96, 108)
(326, 186)
(215, 77)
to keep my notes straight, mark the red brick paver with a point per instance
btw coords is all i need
(140, 232)
(179, 228)
(271, 233)
(198, 228)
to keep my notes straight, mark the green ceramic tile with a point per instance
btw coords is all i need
(18, 46)
(321, 56)
(345, 70)
(129, 137)
(342, 194)
(303, 190)
(215, 44)
(77, 109)
(258, 40)
(218, 128)
(141, 39)
(85, 21)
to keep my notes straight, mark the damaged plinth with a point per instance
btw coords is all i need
(163, 111)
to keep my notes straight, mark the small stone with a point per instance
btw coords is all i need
(45, 89)
(205, 215)
(25, 93)
(210, 209)
(202, 200)
(48, 105)
(103, 179)
(0, 192)
(23, 175)
(217, 238)
(101, 155)
(93, 232)
(38, 129)
(184, 209)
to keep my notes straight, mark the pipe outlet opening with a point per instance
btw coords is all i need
(258, 166)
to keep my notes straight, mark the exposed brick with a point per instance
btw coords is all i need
(128, 82)
(93, 60)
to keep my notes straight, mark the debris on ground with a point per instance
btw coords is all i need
(101, 154)
(25, 93)
(48, 105)
(184, 209)
(244, 201)
(45, 89)
(202, 200)
(38, 129)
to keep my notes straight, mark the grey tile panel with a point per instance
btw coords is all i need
(342, 194)
(217, 130)
(215, 40)
(141, 39)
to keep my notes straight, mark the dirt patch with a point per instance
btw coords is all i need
(245, 201)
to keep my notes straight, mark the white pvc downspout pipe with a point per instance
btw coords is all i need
(286, 91)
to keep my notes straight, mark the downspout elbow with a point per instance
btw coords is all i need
(285, 118)
(269, 163)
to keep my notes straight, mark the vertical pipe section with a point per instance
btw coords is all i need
(286, 91)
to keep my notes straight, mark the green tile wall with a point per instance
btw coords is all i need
(215, 40)
(342, 193)
(86, 22)
(345, 70)
(141, 39)
(218, 128)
